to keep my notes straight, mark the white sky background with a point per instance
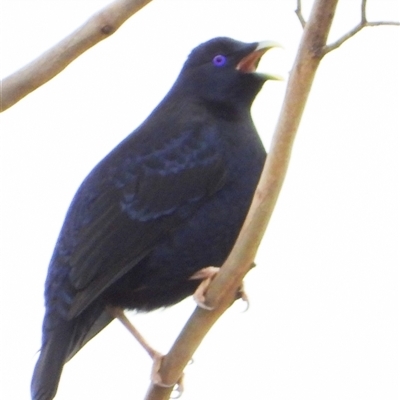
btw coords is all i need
(323, 321)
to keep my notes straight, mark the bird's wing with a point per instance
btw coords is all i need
(123, 209)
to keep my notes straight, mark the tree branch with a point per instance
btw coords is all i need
(53, 61)
(223, 288)
(299, 14)
(361, 25)
(363, 11)
(330, 47)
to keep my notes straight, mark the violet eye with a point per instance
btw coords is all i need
(219, 60)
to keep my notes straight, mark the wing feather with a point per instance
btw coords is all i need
(123, 208)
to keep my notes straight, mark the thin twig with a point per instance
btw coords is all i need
(364, 23)
(342, 39)
(299, 14)
(328, 48)
(363, 11)
(53, 61)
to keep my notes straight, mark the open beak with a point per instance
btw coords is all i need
(249, 63)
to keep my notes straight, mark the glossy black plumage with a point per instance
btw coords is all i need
(166, 202)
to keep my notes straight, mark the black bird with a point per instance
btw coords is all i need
(164, 204)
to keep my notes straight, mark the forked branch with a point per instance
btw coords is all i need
(364, 23)
(299, 13)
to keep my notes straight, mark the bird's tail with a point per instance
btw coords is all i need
(51, 361)
(61, 343)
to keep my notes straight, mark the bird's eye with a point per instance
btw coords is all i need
(219, 60)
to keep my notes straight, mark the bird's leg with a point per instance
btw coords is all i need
(207, 275)
(119, 314)
(156, 356)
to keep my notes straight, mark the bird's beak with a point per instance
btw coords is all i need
(249, 63)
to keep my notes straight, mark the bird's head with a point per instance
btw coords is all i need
(223, 70)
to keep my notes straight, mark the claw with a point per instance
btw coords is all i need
(179, 388)
(157, 380)
(243, 295)
(206, 274)
(155, 371)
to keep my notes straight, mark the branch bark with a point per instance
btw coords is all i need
(49, 64)
(222, 290)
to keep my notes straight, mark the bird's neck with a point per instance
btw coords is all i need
(225, 110)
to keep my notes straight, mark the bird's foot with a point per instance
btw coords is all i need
(207, 275)
(241, 294)
(156, 356)
(157, 380)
